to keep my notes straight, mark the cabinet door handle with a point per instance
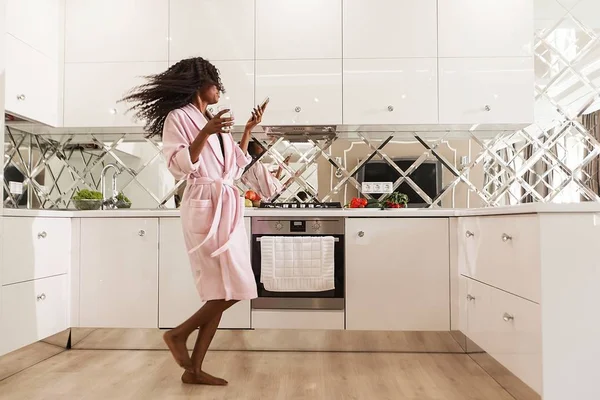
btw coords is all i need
(390, 108)
(298, 109)
(469, 234)
(507, 317)
(42, 235)
(41, 297)
(506, 238)
(487, 108)
(21, 97)
(361, 234)
(142, 232)
(470, 298)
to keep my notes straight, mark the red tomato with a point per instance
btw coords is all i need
(252, 196)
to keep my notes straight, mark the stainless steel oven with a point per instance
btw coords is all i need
(311, 226)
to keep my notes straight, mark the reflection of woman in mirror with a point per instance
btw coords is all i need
(258, 177)
(199, 148)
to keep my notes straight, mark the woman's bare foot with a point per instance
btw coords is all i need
(202, 378)
(178, 349)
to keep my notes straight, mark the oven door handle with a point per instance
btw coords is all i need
(258, 239)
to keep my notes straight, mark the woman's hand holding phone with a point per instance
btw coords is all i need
(257, 114)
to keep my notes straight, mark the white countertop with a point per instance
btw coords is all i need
(531, 208)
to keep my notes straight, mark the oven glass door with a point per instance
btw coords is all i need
(337, 293)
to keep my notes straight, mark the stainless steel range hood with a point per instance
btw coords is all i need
(295, 133)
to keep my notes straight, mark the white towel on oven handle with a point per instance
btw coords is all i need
(297, 263)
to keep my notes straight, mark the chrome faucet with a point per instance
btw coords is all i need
(109, 203)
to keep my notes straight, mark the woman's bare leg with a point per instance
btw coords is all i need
(205, 337)
(176, 339)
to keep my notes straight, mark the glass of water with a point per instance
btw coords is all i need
(228, 114)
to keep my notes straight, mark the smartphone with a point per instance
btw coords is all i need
(264, 103)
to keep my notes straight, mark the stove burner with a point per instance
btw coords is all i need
(318, 206)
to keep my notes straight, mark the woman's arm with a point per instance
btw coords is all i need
(197, 146)
(245, 140)
(215, 125)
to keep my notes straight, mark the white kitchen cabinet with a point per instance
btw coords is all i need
(486, 90)
(178, 296)
(35, 248)
(397, 274)
(116, 31)
(31, 83)
(508, 328)
(93, 91)
(405, 91)
(390, 28)
(213, 29)
(32, 311)
(298, 29)
(36, 23)
(502, 251)
(302, 92)
(238, 79)
(485, 28)
(119, 273)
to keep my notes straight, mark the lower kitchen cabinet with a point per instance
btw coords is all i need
(35, 248)
(119, 273)
(178, 297)
(32, 311)
(507, 327)
(397, 274)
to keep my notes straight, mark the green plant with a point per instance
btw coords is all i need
(121, 197)
(86, 194)
(395, 200)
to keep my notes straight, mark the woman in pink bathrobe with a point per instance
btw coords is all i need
(199, 148)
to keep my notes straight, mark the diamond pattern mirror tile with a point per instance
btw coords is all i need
(554, 160)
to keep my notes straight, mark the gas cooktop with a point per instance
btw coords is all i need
(318, 206)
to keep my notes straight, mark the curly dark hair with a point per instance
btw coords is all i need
(170, 90)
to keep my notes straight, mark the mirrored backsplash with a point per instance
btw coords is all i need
(444, 170)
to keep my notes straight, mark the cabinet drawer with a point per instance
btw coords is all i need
(508, 328)
(31, 83)
(503, 252)
(35, 248)
(407, 91)
(33, 311)
(302, 92)
(486, 90)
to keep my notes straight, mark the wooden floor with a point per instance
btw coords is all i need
(114, 374)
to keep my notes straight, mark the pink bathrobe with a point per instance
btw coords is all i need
(211, 208)
(259, 178)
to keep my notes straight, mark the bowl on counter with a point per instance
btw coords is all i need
(123, 204)
(87, 204)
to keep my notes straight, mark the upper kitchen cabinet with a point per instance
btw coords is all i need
(213, 29)
(31, 89)
(92, 92)
(302, 92)
(36, 23)
(116, 30)
(485, 28)
(298, 29)
(404, 91)
(390, 28)
(486, 90)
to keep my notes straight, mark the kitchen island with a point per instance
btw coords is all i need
(518, 282)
